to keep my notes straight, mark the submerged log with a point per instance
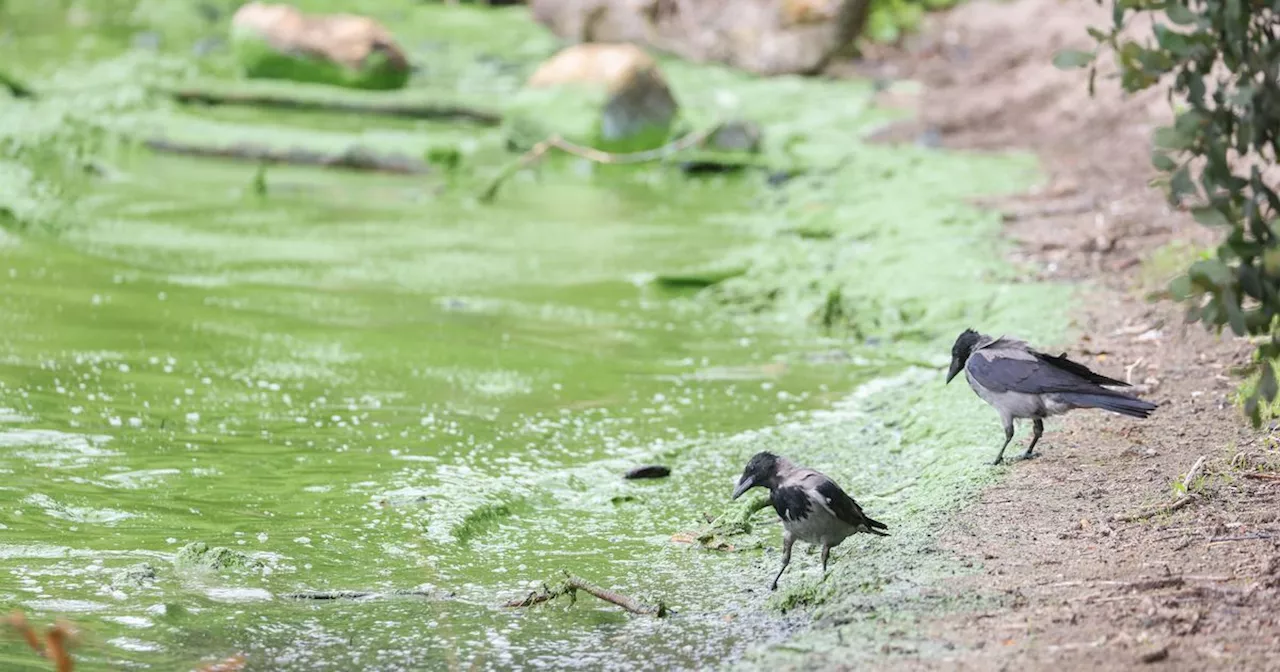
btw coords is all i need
(326, 595)
(401, 109)
(352, 158)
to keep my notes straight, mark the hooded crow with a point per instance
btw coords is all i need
(1021, 383)
(812, 507)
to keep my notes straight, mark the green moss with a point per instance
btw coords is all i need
(199, 555)
(135, 576)
(482, 519)
(260, 60)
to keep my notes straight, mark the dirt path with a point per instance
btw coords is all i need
(1084, 581)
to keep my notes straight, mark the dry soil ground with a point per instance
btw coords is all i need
(1092, 581)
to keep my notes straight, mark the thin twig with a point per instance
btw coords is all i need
(572, 584)
(1128, 370)
(407, 110)
(1191, 475)
(591, 154)
(1242, 537)
(1263, 477)
(352, 158)
(1177, 504)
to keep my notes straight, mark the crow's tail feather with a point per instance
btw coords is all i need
(874, 527)
(1116, 403)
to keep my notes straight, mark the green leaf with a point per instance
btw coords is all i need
(1235, 316)
(1170, 138)
(1162, 162)
(1210, 271)
(1180, 287)
(1210, 216)
(1070, 59)
(1250, 281)
(1180, 185)
(1180, 14)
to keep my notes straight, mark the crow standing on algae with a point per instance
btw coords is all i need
(812, 507)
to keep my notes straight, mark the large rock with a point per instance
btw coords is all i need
(280, 42)
(767, 37)
(610, 96)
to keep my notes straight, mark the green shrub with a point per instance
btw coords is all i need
(1223, 57)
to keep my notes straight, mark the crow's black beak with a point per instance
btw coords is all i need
(743, 485)
(955, 368)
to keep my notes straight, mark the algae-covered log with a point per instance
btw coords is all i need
(402, 109)
(352, 158)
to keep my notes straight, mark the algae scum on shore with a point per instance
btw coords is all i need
(222, 386)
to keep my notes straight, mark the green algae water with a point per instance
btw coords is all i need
(221, 388)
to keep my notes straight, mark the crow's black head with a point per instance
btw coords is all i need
(760, 471)
(961, 350)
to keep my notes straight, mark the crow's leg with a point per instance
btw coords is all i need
(826, 553)
(1008, 436)
(787, 541)
(1037, 428)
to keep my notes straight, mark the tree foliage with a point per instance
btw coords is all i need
(1219, 157)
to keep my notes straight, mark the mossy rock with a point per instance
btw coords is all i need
(134, 576)
(261, 61)
(199, 555)
(575, 113)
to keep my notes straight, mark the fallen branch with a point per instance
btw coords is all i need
(353, 158)
(1170, 508)
(405, 110)
(591, 154)
(572, 584)
(1263, 477)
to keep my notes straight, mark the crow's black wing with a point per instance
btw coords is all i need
(791, 503)
(1079, 369)
(1028, 376)
(846, 509)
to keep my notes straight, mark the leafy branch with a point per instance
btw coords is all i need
(1218, 158)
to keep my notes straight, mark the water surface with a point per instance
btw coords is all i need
(377, 383)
